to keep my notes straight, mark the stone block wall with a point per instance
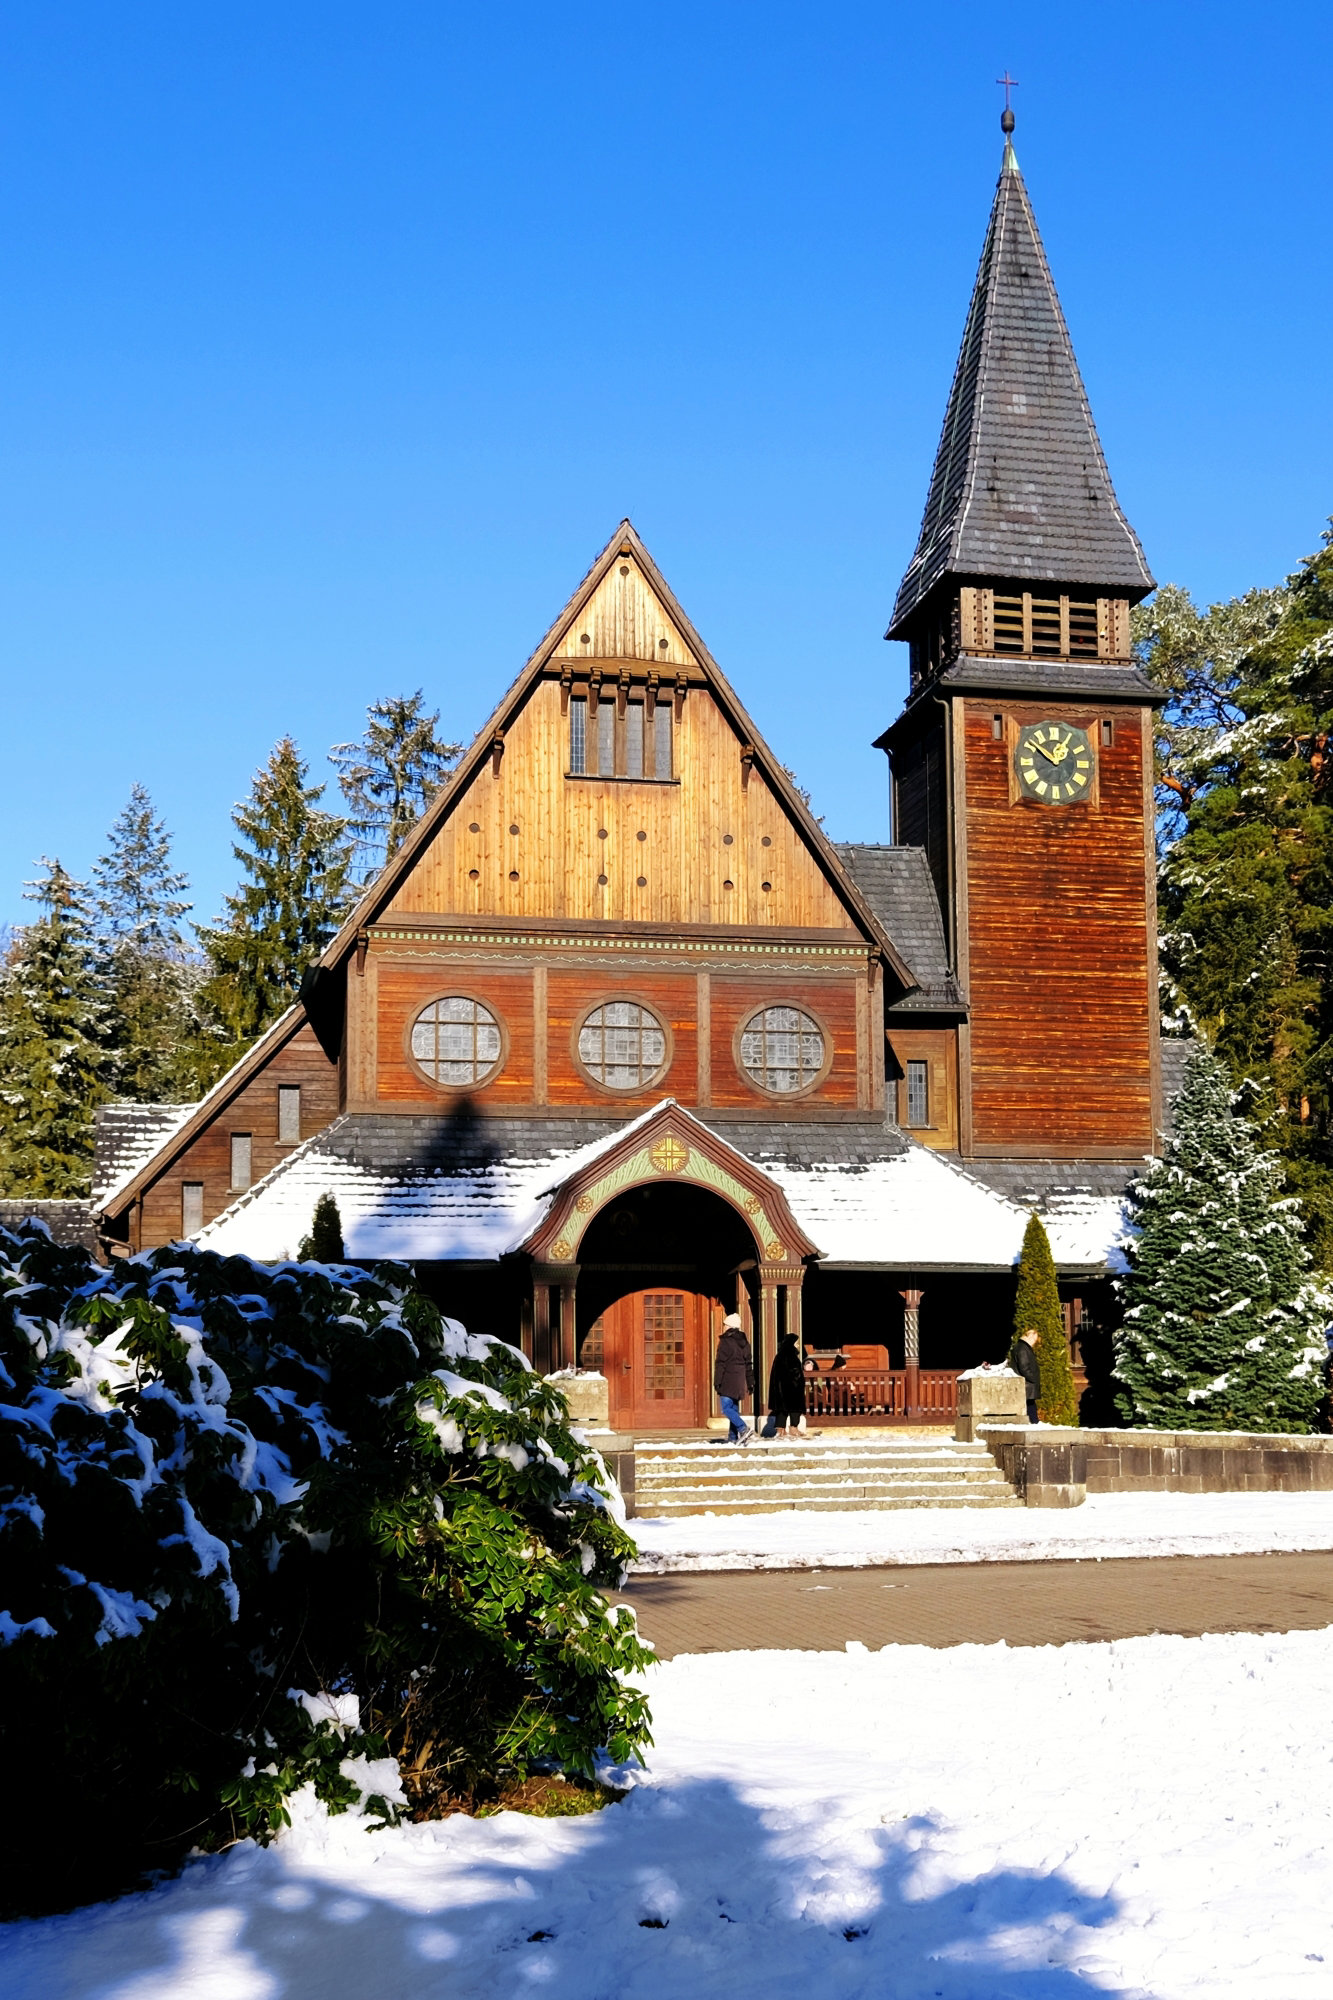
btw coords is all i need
(1059, 1468)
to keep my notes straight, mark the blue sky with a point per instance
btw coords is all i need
(334, 340)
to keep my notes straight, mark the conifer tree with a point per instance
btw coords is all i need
(139, 895)
(55, 1031)
(324, 1244)
(165, 1052)
(279, 921)
(390, 776)
(1223, 1328)
(1037, 1303)
(1245, 791)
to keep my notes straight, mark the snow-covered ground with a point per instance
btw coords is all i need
(1107, 1524)
(1148, 1818)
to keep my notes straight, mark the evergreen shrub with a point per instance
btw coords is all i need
(1223, 1328)
(324, 1244)
(1037, 1303)
(265, 1528)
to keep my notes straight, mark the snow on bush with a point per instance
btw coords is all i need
(275, 1529)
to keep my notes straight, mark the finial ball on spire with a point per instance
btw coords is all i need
(1006, 121)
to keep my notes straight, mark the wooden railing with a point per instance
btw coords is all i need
(884, 1395)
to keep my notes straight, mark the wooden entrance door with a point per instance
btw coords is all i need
(654, 1352)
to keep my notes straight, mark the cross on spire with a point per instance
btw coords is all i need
(1007, 115)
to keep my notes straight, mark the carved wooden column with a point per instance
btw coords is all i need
(794, 1284)
(770, 1277)
(569, 1340)
(912, 1350)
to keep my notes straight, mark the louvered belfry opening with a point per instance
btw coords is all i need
(1033, 626)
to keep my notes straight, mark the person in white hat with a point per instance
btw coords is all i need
(733, 1377)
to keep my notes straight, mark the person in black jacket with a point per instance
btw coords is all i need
(786, 1388)
(1023, 1361)
(733, 1377)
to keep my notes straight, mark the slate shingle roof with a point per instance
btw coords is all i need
(70, 1222)
(1020, 489)
(897, 884)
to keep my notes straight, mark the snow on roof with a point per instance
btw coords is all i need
(128, 1135)
(913, 1210)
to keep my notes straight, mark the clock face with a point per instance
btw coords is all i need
(1054, 763)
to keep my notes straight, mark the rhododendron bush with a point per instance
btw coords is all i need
(267, 1527)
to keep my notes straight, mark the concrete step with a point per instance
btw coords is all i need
(673, 1481)
(675, 1510)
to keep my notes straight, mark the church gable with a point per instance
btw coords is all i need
(623, 784)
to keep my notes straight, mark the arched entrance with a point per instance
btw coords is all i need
(665, 1209)
(655, 1348)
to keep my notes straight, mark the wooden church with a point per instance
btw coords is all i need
(619, 1040)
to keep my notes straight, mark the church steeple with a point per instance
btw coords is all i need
(1020, 494)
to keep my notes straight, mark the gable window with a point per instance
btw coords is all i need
(289, 1114)
(622, 1045)
(918, 1093)
(192, 1208)
(635, 744)
(782, 1050)
(457, 1042)
(240, 1160)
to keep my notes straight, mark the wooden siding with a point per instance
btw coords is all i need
(673, 997)
(831, 1001)
(404, 988)
(1058, 948)
(938, 1048)
(624, 620)
(254, 1110)
(668, 850)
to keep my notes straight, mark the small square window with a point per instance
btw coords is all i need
(289, 1114)
(997, 727)
(240, 1159)
(1108, 735)
(918, 1093)
(192, 1208)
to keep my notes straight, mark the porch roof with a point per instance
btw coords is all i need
(872, 1199)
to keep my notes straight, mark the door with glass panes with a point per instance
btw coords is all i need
(655, 1350)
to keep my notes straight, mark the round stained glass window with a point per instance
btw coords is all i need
(457, 1042)
(622, 1045)
(782, 1050)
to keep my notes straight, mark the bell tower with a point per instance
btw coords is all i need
(1022, 761)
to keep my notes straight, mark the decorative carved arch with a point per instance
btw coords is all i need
(672, 1145)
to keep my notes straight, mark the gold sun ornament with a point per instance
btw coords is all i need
(668, 1155)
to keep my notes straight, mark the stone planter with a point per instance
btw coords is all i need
(998, 1397)
(587, 1394)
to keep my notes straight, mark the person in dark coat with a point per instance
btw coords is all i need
(1023, 1361)
(786, 1388)
(733, 1377)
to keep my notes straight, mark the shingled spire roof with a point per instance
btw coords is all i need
(1020, 487)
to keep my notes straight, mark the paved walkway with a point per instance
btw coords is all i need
(1027, 1604)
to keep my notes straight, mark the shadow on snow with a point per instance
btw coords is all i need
(681, 1889)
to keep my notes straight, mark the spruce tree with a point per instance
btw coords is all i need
(279, 921)
(164, 1051)
(390, 776)
(324, 1244)
(55, 1033)
(1037, 1303)
(1224, 1326)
